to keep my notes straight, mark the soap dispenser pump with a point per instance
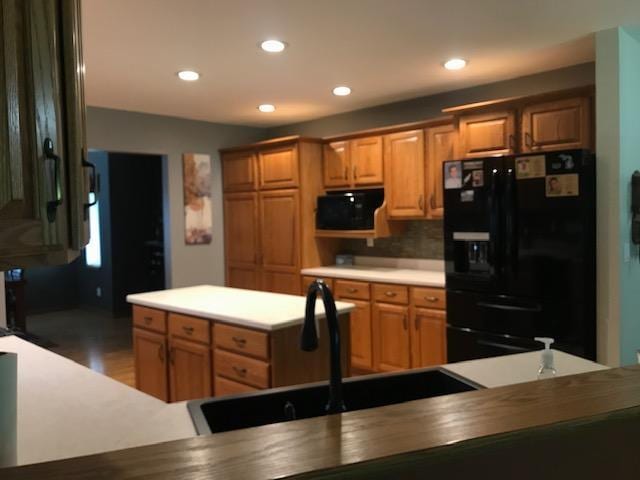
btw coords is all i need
(547, 368)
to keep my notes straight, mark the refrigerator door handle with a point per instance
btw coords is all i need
(504, 346)
(494, 222)
(510, 308)
(511, 239)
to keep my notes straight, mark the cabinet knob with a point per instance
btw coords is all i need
(352, 290)
(239, 341)
(390, 293)
(240, 370)
(148, 320)
(188, 330)
(431, 299)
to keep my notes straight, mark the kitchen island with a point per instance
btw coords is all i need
(205, 340)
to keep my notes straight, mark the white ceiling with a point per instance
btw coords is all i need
(385, 50)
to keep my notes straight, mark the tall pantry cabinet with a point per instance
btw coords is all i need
(44, 179)
(270, 191)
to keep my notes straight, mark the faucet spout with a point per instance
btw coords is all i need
(309, 340)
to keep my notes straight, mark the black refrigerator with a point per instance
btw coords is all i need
(520, 254)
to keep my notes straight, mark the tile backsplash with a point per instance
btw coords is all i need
(422, 239)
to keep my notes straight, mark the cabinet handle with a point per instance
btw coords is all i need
(431, 299)
(417, 322)
(240, 371)
(432, 201)
(352, 290)
(94, 184)
(355, 172)
(405, 322)
(421, 202)
(390, 294)
(148, 320)
(171, 357)
(346, 172)
(528, 141)
(239, 341)
(52, 205)
(512, 143)
(188, 330)
(161, 353)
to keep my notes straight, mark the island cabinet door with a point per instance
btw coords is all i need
(241, 240)
(392, 349)
(428, 337)
(150, 351)
(189, 370)
(279, 239)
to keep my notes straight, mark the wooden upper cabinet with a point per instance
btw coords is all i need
(336, 164)
(189, 370)
(279, 167)
(150, 352)
(563, 124)
(428, 337)
(241, 236)
(367, 161)
(441, 143)
(239, 171)
(391, 341)
(487, 134)
(43, 191)
(280, 241)
(405, 174)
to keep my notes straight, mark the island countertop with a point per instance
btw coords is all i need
(249, 308)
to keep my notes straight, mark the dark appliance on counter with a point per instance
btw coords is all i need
(348, 210)
(520, 254)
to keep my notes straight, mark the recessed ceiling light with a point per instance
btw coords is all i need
(455, 64)
(341, 91)
(266, 108)
(273, 46)
(188, 75)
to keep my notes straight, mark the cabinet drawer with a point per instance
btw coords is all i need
(190, 328)
(429, 297)
(150, 319)
(389, 293)
(350, 289)
(242, 369)
(223, 386)
(241, 340)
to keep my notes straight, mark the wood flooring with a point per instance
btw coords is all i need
(91, 338)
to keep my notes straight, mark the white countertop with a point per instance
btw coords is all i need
(368, 273)
(519, 368)
(250, 308)
(66, 410)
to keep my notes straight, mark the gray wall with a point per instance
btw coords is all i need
(121, 131)
(424, 108)
(423, 239)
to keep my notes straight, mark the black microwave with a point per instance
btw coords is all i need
(348, 210)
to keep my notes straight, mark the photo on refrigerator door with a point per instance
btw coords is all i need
(198, 221)
(452, 175)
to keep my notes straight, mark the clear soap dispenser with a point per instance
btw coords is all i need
(547, 368)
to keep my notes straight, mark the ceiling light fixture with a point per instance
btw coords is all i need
(455, 64)
(273, 46)
(188, 75)
(341, 91)
(266, 108)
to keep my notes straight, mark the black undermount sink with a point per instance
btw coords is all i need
(214, 415)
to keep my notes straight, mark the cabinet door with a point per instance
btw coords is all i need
(241, 239)
(33, 195)
(239, 171)
(391, 337)
(405, 174)
(361, 344)
(440, 146)
(559, 125)
(428, 337)
(280, 241)
(487, 134)
(336, 165)
(366, 161)
(189, 370)
(279, 167)
(150, 354)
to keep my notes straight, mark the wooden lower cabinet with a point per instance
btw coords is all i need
(223, 386)
(428, 337)
(391, 344)
(150, 351)
(361, 346)
(189, 370)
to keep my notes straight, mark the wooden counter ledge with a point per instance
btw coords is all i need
(399, 434)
